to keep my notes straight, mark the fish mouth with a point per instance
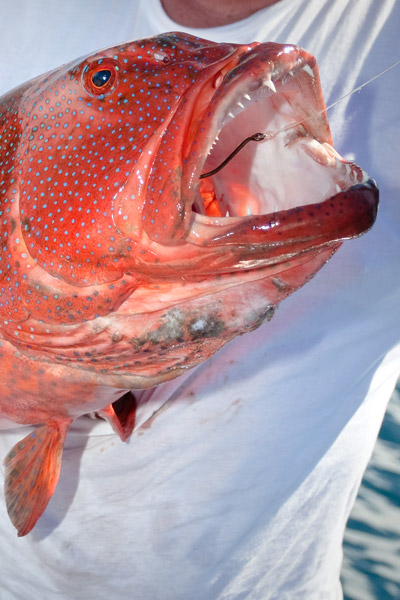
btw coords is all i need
(287, 193)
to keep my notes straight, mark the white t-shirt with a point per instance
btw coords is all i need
(241, 485)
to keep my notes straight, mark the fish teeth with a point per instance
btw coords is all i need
(227, 214)
(270, 84)
(249, 211)
(247, 97)
(308, 70)
(231, 115)
(240, 105)
(338, 188)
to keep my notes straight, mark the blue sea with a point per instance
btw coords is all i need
(371, 566)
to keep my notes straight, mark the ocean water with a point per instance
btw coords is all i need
(371, 565)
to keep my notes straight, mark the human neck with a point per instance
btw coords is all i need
(212, 13)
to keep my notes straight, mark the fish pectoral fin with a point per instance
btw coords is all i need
(121, 415)
(32, 469)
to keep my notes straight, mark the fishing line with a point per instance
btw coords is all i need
(259, 137)
(360, 87)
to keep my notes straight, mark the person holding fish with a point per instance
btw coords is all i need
(160, 198)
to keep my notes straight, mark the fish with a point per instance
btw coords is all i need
(157, 199)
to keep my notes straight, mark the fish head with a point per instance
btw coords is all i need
(116, 170)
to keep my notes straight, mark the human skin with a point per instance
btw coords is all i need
(209, 13)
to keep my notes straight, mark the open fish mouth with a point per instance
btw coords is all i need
(260, 167)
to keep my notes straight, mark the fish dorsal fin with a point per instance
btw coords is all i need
(121, 415)
(32, 469)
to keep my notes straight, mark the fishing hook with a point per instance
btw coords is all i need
(256, 137)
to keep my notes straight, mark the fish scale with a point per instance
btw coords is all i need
(109, 279)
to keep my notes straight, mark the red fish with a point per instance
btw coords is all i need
(158, 199)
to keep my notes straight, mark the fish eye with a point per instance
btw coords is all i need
(100, 78)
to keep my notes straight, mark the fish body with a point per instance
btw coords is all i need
(121, 266)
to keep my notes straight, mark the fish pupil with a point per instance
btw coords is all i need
(100, 78)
